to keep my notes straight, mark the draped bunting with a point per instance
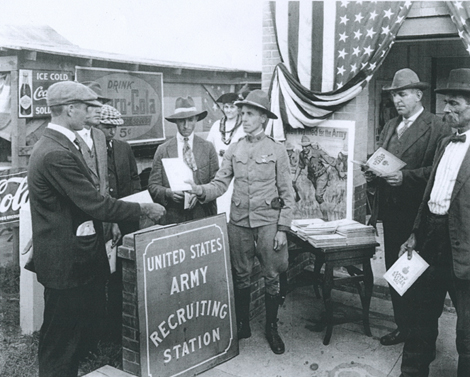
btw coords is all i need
(329, 52)
(460, 15)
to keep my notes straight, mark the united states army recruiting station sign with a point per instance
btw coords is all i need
(186, 308)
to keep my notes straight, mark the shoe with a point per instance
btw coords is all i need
(395, 337)
(244, 330)
(274, 340)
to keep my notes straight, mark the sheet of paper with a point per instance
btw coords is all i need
(140, 197)
(177, 172)
(404, 272)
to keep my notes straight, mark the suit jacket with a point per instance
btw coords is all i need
(459, 214)
(127, 175)
(100, 174)
(416, 147)
(207, 165)
(62, 197)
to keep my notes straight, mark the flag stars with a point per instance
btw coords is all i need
(359, 17)
(342, 53)
(458, 5)
(372, 66)
(363, 65)
(356, 51)
(357, 34)
(339, 85)
(370, 33)
(373, 15)
(343, 37)
(385, 30)
(388, 13)
(344, 20)
(367, 50)
(341, 70)
(214, 107)
(399, 19)
(344, 4)
(407, 4)
(353, 68)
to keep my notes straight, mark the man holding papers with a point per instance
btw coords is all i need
(261, 212)
(196, 155)
(441, 234)
(412, 137)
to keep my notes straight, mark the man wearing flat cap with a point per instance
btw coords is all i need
(261, 212)
(69, 254)
(198, 154)
(441, 235)
(412, 137)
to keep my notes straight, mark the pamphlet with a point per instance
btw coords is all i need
(177, 172)
(140, 197)
(404, 272)
(382, 163)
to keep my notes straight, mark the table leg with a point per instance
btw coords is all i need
(319, 261)
(327, 287)
(368, 286)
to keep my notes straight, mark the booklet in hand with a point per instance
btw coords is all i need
(404, 272)
(382, 163)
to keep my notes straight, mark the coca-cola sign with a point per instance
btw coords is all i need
(14, 194)
(32, 90)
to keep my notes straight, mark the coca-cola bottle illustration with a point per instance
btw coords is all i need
(25, 96)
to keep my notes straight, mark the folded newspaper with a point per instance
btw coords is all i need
(404, 272)
(382, 162)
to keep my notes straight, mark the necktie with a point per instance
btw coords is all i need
(110, 148)
(77, 143)
(188, 155)
(403, 127)
(456, 138)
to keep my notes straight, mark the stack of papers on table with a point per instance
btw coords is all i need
(327, 240)
(357, 233)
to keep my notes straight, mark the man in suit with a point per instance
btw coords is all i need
(69, 254)
(197, 153)
(441, 234)
(123, 180)
(412, 137)
(260, 215)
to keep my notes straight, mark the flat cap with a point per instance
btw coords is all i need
(111, 116)
(66, 92)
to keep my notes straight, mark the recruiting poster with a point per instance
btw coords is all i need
(14, 194)
(32, 91)
(321, 171)
(138, 96)
(186, 307)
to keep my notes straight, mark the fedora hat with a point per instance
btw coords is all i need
(96, 87)
(185, 108)
(459, 81)
(258, 99)
(405, 79)
(305, 141)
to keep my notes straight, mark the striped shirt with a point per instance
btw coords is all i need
(446, 175)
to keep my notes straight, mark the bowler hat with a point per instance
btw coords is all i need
(110, 116)
(96, 87)
(459, 81)
(66, 92)
(405, 79)
(305, 141)
(185, 108)
(258, 99)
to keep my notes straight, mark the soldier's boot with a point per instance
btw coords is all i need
(272, 334)
(242, 310)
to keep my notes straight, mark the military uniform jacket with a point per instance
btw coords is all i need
(261, 173)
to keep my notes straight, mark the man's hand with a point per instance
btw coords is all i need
(195, 189)
(408, 246)
(176, 196)
(116, 234)
(369, 175)
(394, 179)
(153, 211)
(280, 240)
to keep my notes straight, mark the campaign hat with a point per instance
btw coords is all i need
(229, 98)
(258, 99)
(185, 108)
(66, 92)
(459, 81)
(305, 141)
(406, 79)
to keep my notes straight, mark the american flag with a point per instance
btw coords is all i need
(460, 14)
(329, 52)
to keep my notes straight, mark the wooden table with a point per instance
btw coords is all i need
(341, 256)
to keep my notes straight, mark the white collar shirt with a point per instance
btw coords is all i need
(180, 142)
(446, 175)
(85, 134)
(407, 122)
(64, 131)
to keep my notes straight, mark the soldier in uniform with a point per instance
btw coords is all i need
(260, 214)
